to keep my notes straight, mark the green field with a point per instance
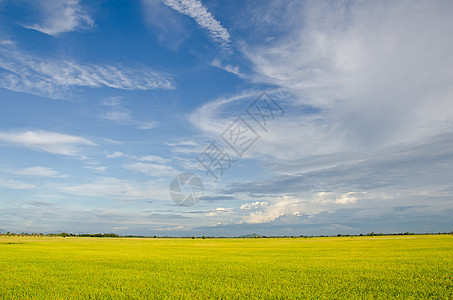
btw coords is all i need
(406, 267)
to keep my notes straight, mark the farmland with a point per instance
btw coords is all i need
(405, 267)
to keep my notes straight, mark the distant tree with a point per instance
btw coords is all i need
(110, 235)
(203, 237)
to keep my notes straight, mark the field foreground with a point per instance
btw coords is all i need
(406, 267)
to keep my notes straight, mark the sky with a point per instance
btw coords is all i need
(297, 117)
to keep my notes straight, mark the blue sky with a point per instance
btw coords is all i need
(103, 103)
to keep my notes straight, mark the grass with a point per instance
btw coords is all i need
(403, 267)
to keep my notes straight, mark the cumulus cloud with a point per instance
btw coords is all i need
(265, 212)
(268, 213)
(254, 205)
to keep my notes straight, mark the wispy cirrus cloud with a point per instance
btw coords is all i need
(57, 78)
(150, 165)
(151, 169)
(196, 10)
(359, 77)
(153, 158)
(226, 67)
(117, 112)
(360, 65)
(52, 142)
(146, 158)
(39, 172)
(16, 185)
(60, 16)
(210, 118)
(96, 167)
(120, 189)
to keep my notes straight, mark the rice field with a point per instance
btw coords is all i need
(395, 267)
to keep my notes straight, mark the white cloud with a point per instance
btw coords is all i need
(51, 142)
(112, 101)
(148, 158)
(335, 198)
(97, 169)
(254, 205)
(118, 113)
(186, 147)
(153, 158)
(187, 164)
(377, 71)
(282, 207)
(55, 78)
(110, 141)
(196, 10)
(264, 212)
(147, 125)
(16, 185)
(7, 42)
(190, 143)
(355, 78)
(229, 68)
(118, 189)
(60, 16)
(217, 211)
(116, 154)
(39, 171)
(208, 117)
(150, 169)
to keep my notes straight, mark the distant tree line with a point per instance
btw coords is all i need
(114, 235)
(63, 234)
